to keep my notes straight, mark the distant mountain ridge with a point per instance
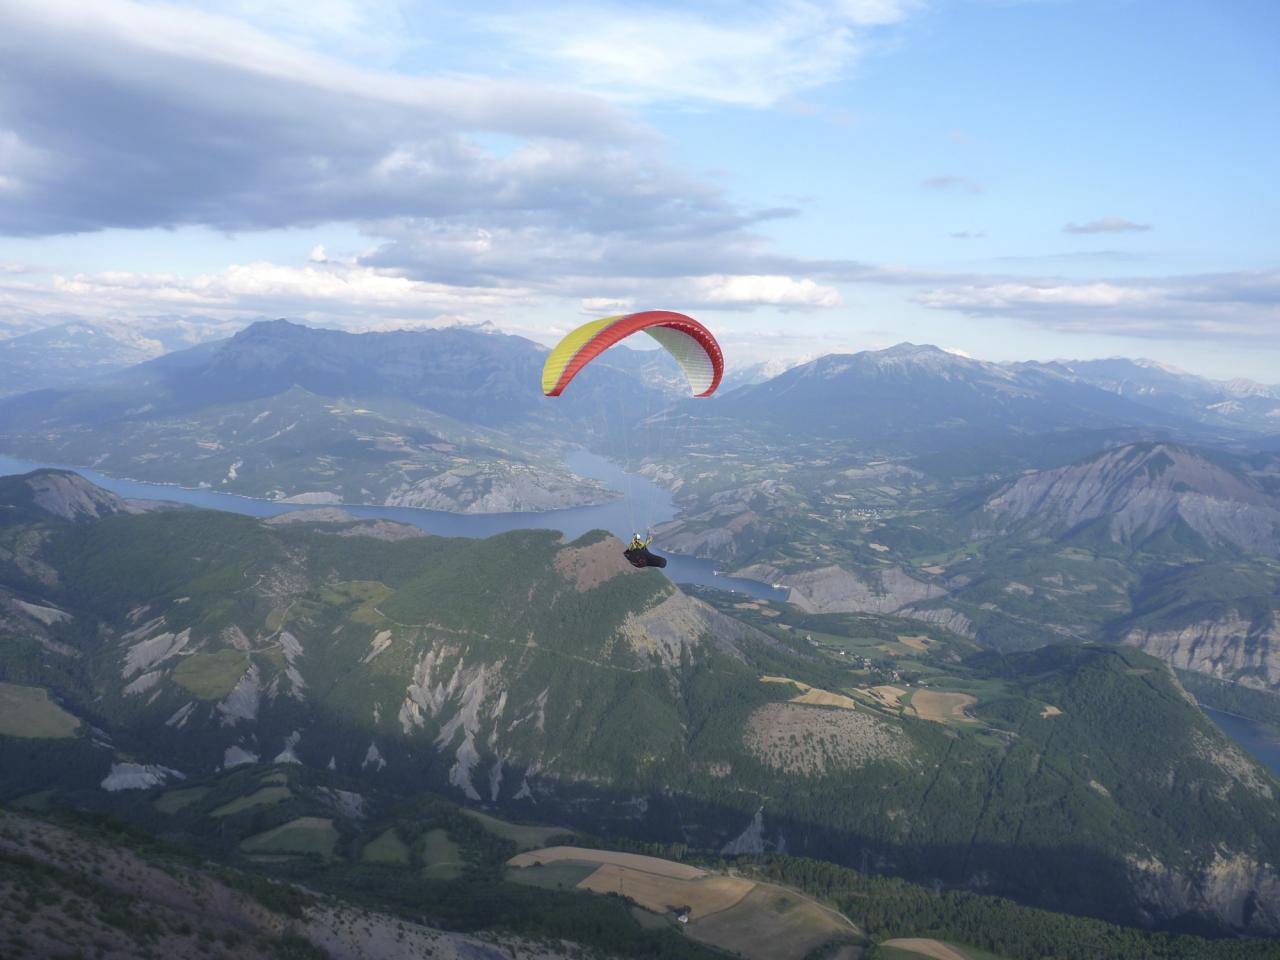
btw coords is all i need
(1237, 402)
(448, 419)
(1141, 490)
(67, 353)
(912, 398)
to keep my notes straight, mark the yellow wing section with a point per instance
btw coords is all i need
(566, 349)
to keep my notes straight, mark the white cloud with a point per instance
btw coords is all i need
(1106, 225)
(753, 55)
(350, 28)
(263, 284)
(725, 291)
(118, 113)
(146, 116)
(1243, 306)
(1001, 295)
(600, 306)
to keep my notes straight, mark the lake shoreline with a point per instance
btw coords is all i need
(647, 505)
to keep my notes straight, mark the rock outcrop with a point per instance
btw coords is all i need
(1229, 648)
(1140, 490)
(836, 590)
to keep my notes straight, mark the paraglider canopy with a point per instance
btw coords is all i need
(692, 344)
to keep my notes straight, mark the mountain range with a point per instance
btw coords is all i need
(911, 398)
(69, 353)
(447, 419)
(1238, 402)
(885, 481)
(554, 679)
(1140, 492)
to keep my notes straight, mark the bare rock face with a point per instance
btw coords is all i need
(678, 622)
(498, 488)
(813, 741)
(383, 530)
(1141, 489)
(1229, 648)
(710, 536)
(317, 515)
(836, 590)
(353, 526)
(945, 617)
(589, 566)
(71, 497)
(1233, 888)
(730, 524)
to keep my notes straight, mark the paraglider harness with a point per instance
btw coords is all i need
(638, 555)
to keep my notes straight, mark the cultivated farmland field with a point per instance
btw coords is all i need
(266, 796)
(920, 644)
(772, 922)
(942, 707)
(211, 676)
(28, 712)
(314, 835)
(441, 857)
(702, 896)
(387, 847)
(525, 837)
(813, 696)
(655, 865)
(758, 921)
(561, 875)
(171, 801)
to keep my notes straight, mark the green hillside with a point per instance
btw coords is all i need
(528, 674)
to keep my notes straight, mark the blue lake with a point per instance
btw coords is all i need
(643, 502)
(1257, 739)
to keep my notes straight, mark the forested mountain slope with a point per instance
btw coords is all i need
(529, 674)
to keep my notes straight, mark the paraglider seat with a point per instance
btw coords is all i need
(641, 557)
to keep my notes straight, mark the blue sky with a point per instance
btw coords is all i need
(1014, 180)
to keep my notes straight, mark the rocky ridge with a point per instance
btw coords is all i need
(1139, 491)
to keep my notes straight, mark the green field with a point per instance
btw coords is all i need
(28, 712)
(259, 798)
(441, 857)
(524, 836)
(172, 801)
(211, 676)
(561, 875)
(313, 835)
(366, 593)
(649, 920)
(386, 848)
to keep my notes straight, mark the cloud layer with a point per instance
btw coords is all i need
(1243, 305)
(480, 196)
(125, 115)
(1106, 225)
